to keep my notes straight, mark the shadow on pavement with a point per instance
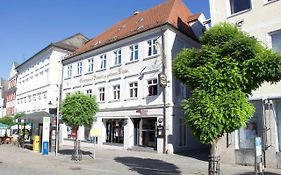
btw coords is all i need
(200, 154)
(147, 166)
(252, 173)
(70, 151)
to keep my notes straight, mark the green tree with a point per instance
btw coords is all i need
(221, 75)
(7, 120)
(78, 110)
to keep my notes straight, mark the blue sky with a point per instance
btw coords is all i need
(28, 26)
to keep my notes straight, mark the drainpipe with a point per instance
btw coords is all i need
(164, 91)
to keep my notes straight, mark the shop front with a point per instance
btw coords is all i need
(145, 132)
(114, 131)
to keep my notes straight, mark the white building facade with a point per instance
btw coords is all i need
(39, 77)
(261, 19)
(122, 72)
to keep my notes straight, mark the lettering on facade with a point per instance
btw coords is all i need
(111, 74)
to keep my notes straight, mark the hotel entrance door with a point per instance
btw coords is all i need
(145, 132)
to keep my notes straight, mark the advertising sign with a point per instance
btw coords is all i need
(96, 130)
(45, 135)
(258, 147)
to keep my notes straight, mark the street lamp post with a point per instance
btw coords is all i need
(162, 77)
(58, 105)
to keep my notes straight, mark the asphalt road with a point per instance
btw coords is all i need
(19, 161)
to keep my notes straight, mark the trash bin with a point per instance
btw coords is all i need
(36, 143)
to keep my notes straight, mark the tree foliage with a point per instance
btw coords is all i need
(78, 109)
(8, 120)
(222, 74)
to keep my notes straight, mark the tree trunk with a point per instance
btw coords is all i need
(214, 159)
(76, 152)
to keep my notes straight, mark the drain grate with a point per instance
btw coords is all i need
(75, 168)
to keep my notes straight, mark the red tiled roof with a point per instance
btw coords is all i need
(173, 12)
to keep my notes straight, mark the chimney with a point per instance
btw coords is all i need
(136, 12)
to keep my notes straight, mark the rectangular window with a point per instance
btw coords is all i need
(101, 94)
(152, 47)
(116, 92)
(79, 68)
(90, 65)
(134, 52)
(253, 128)
(276, 41)
(89, 92)
(133, 89)
(103, 61)
(117, 56)
(239, 5)
(69, 71)
(152, 87)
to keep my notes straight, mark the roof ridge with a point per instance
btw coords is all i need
(172, 12)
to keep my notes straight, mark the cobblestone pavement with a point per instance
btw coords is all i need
(19, 161)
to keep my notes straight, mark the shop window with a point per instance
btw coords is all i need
(254, 128)
(152, 87)
(115, 131)
(239, 5)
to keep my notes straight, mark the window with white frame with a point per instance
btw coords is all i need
(69, 71)
(79, 68)
(133, 90)
(117, 56)
(103, 61)
(116, 92)
(152, 87)
(239, 5)
(101, 94)
(134, 52)
(89, 92)
(152, 47)
(276, 41)
(90, 65)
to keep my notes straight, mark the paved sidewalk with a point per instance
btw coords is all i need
(18, 161)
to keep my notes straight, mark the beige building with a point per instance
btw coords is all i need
(261, 19)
